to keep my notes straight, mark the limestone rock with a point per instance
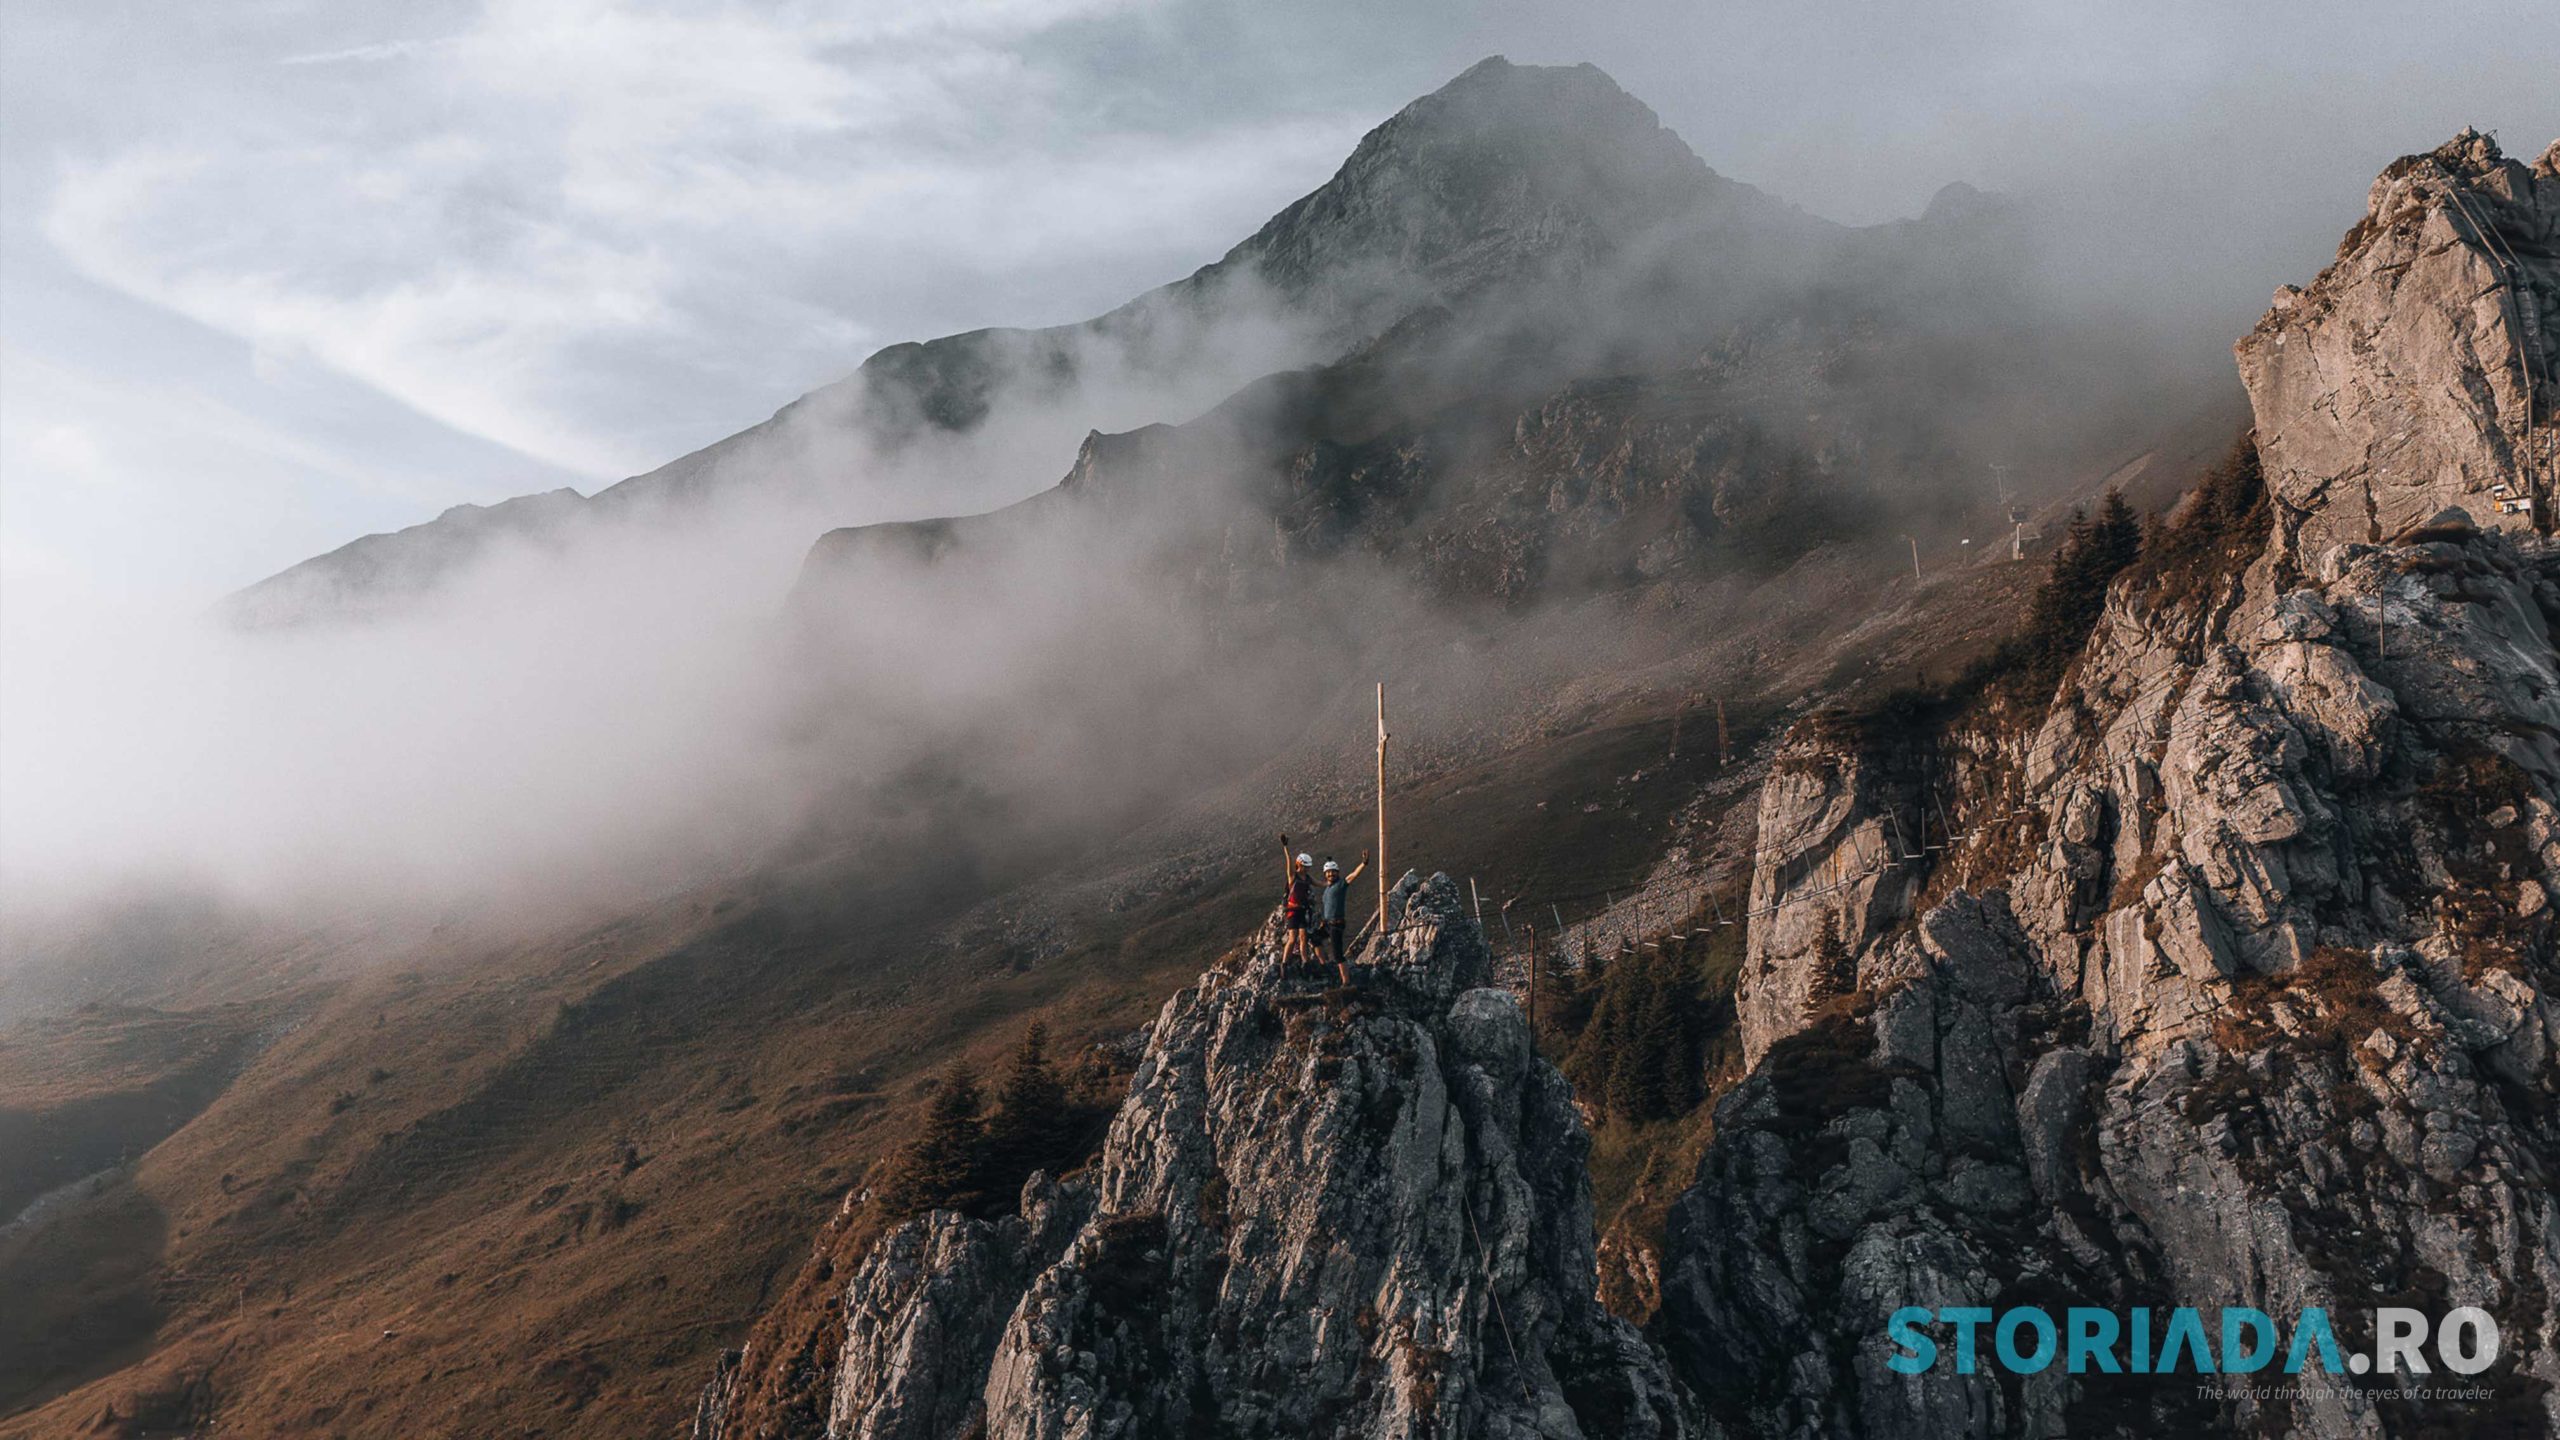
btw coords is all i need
(2410, 375)
(1358, 1213)
(923, 1313)
(2268, 1015)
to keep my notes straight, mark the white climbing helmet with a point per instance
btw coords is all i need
(1306, 859)
(1331, 868)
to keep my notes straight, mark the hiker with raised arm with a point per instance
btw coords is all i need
(1297, 905)
(1334, 910)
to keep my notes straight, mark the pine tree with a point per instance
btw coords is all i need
(940, 1169)
(1642, 1055)
(1033, 1126)
(2219, 529)
(1595, 969)
(2074, 594)
(1564, 1006)
(1593, 1063)
(1654, 1052)
(2119, 534)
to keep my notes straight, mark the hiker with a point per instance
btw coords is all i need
(1334, 910)
(1296, 906)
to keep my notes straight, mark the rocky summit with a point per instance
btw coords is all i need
(1350, 1212)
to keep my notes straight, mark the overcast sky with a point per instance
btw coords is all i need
(274, 274)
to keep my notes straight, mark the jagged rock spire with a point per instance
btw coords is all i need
(1319, 1213)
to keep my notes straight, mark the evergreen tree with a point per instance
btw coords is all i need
(940, 1169)
(1595, 970)
(2074, 594)
(1564, 1006)
(2216, 532)
(1033, 1126)
(1653, 1048)
(1642, 1054)
(2119, 534)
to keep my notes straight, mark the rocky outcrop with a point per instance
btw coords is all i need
(1839, 825)
(924, 1313)
(1335, 1213)
(2235, 983)
(2422, 369)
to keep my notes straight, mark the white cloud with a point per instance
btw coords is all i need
(600, 233)
(69, 451)
(88, 459)
(356, 54)
(354, 280)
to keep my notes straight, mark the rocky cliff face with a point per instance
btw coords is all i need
(1333, 1213)
(2421, 370)
(2228, 978)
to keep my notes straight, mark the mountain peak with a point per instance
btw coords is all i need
(1493, 175)
(1502, 179)
(1497, 75)
(1957, 201)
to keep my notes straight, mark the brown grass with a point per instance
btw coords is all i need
(2487, 864)
(2333, 991)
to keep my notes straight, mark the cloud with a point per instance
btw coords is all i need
(469, 341)
(85, 456)
(362, 54)
(600, 233)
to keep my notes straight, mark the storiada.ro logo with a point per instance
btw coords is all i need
(2026, 1339)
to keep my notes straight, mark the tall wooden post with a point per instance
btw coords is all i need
(1724, 739)
(1382, 811)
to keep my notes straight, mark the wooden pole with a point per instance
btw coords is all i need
(1382, 810)
(1915, 557)
(1724, 740)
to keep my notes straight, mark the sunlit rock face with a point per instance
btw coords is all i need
(2422, 369)
(2236, 985)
